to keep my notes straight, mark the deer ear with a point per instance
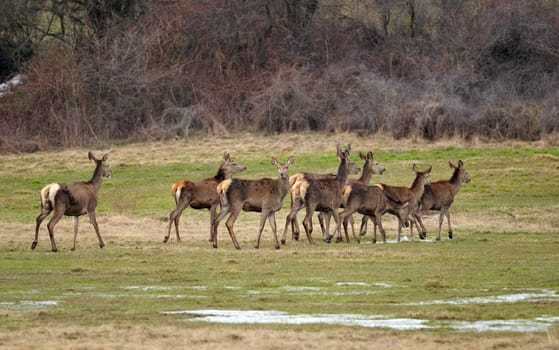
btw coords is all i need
(291, 160)
(226, 156)
(105, 157)
(451, 165)
(460, 164)
(274, 161)
(428, 170)
(90, 156)
(370, 155)
(362, 156)
(415, 168)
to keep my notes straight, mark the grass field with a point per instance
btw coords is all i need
(495, 286)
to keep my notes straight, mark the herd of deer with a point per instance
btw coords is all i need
(323, 193)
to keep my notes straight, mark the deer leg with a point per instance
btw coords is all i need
(363, 228)
(449, 225)
(377, 220)
(45, 211)
(50, 226)
(174, 217)
(441, 219)
(220, 216)
(230, 222)
(76, 222)
(345, 225)
(263, 216)
(272, 220)
(400, 224)
(93, 221)
(292, 218)
(213, 215)
(307, 224)
(321, 218)
(350, 219)
(343, 218)
(420, 226)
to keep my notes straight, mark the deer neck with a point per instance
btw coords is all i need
(284, 186)
(455, 181)
(341, 176)
(418, 186)
(366, 175)
(222, 174)
(97, 178)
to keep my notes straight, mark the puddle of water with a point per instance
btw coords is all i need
(29, 304)
(267, 317)
(539, 324)
(509, 298)
(363, 284)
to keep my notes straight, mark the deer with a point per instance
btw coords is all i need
(439, 196)
(403, 201)
(264, 195)
(295, 186)
(74, 200)
(370, 167)
(371, 202)
(200, 195)
(324, 195)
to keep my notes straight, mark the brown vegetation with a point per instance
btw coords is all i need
(158, 69)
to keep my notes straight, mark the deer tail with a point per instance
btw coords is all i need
(222, 188)
(176, 189)
(48, 193)
(294, 178)
(346, 192)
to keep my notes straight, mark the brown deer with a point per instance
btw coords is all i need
(324, 195)
(265, 196)
(295, 187)
(411, 196)
(75, 199)
(200, 195)
(439, 196)
(371, 202)
(370, 167)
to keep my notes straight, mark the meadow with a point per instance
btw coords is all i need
(495, 285)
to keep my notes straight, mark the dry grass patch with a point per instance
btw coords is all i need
(209, 337)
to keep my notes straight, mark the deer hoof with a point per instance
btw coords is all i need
(328, 239)
(33, 245)
(339, 239)
(296, 236)
(165, 239)
(283, 241)
(374, 241)
(450, 235)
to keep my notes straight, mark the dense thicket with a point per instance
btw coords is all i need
(102, 70)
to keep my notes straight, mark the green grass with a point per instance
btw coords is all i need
(136, 277)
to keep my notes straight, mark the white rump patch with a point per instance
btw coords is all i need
(48, 193)
(223, 186)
